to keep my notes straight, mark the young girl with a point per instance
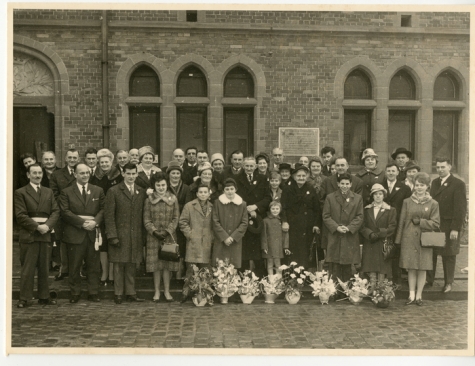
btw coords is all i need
(275, 190)
(273, 240)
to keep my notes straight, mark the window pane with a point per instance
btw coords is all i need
(144, 83)
(192, 83)
(444, 138)
(446, 87)
(401, 130)
(357, 86)
(238, 129)
(357, 134)
(239, 84)
(145, 127)
(192, 127)
(402, 86)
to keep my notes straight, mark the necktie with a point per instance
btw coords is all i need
(249, 178)
(38, 190)
(131, 190)
(71, 172)
(84, 193)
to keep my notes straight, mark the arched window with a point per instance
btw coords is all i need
(446, 87)
(192, 83)
(358, 86)
(238, 84)
(144, 83)
(402, 86)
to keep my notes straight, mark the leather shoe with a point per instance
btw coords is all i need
(132, 298)
(22, 304)
(93, 298)
(447, 288)
(47, 302)
(410, 301)
(61, 276)
(74, 299)
(429, 284)
(118, 299)
(419, 302)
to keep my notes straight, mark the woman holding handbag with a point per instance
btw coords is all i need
(379, 225)
(161, 214)
(419, 214)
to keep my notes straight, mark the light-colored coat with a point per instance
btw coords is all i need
(123, 216)
(413, 256)
(198, 232)
(229, 220)
(343, 248)
(273, 239)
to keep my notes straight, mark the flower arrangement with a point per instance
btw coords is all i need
(321, 283)
(383, 293)
(294, 278)
(200, 285)
(226, 279)
(272, 284)
(356, 288)
(249, 284)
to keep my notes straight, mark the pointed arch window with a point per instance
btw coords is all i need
(238, 84)
(358, 85)
(402, 86)
(144, 82)
(192, 83)
(446, 87)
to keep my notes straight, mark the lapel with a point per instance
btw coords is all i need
(33, 193)
(78, 193)
(66, 174)
(334, 183)
(371, 214)
(339, 198)
(380, 213)
(439, 187)
(125, 190)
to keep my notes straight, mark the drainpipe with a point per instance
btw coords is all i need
(105, 82)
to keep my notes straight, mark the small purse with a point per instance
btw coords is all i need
(433, 239)
(388, 249)
(169, 250)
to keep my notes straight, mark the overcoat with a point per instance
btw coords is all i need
(368, 178)
(59, 180)
(384, 225)
(123, 216)
(452, 200)
(273, 239)
(397, 196)
(215, 187)
(330, 185)
(301, 210)
(343, 248)
(142, 179)
(159, 214)
(182, 193)
(317, 182)
(106, 180)
(229, 220)
(413, 256)
(197, 229)
(277, 196)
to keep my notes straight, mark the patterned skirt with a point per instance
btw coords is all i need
(153, 262)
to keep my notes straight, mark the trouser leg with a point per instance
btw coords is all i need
(430, 275)
(119, 271)
(64, 253)
(28, 258)
(76, 255)
(448, 262)
(43, 269)
(129, 278)
(93, 267)
(396, 271)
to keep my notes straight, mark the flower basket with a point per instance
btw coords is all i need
(271, 286)
(199, 301)
(247, 299)
(199, 285)
(383, 293)
(249, 287)
(324, 297)
(270, 298)
(294, 278)
(355, 289)
(226, 280)
(293, 297)
(323, 286)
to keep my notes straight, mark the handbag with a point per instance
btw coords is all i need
(169, 250)
(433, 239)
(389, 249)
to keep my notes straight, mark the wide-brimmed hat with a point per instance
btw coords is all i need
(412, 164)
(285, 166)
(174, 165)
(298, 167)
(217, 156)
(401, 150)
(205, 166)
(368, 153)
(145, 150)
(376, 188)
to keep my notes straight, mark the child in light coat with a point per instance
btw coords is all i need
(274, 241)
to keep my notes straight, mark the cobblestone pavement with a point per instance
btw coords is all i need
(435, 325)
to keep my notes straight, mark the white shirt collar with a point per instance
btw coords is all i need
(35, 186)
(391, 184)
(237, 200)
(129, 187)
(443, 180)
(80, 186)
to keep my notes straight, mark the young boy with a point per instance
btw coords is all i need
(275, 190)
(274, 241)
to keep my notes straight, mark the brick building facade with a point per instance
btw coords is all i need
(364, 79)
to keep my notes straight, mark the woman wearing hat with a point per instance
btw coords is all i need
(205, 176)
(370, 174)
(181, 191)
(419, 213)
(380, 222)
(263, 161)
(302, 215)
(217, 162)
(411, 169)
(285, 171)
(146, 168)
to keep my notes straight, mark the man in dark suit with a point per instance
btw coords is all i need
(230, 171)
(36, 212)
(60, 179)
(327, 155)
(189, 163)
(449, 192)
(401, 156)
(82, 206)
(397, 193)
(123, 215)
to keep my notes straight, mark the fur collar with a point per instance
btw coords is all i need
(225, 200)
(168, 198)
(111, 174)
(426, 198)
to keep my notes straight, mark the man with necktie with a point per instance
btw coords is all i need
(36, 212)
(401, 156)
(327, 155)
(230, 171)
(82, 206)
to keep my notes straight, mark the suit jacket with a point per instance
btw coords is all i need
(61, 179)
(326, 170)
(255, 192)
(45, 180)
(72, 205)
(330, 185)
(29, 204)
(229, 173)
(399, 193)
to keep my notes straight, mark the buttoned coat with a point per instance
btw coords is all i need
(142, 179)
(72, 205)
(343, 248)
(397, 196)
(452, 200)
(198, 231)
(123, 216)
(29, 204)
(368, 178)
(106, 180)
(330, 185)
(384, 225)
(273, 239)
(413, 256)
(229, 220)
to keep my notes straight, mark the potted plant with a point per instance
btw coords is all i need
(226, 280)
(199, 286)
(249, 287)
(294, 278)
(355, 289)
(383, 293)
(322, 285)
(271, 286)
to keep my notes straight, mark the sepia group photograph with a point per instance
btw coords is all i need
(238, 179)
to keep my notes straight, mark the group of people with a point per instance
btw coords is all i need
(105, 217)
